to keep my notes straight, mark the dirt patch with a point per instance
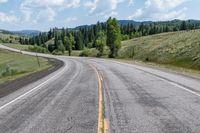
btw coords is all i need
(11, 86)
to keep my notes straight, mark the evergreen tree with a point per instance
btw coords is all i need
(101, 43)
(79, 45)
(113, 36)
(69, 42)
(61, 47)
(183, 26)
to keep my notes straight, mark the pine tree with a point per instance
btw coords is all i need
(69, 42)
(101, 43)
(113, 36)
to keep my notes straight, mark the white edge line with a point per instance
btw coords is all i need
(35, 88)
(184, 88)
(172, 83)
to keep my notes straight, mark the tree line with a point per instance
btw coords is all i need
(101, 34)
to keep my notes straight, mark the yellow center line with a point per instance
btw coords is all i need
(102, 123)
(105, 126)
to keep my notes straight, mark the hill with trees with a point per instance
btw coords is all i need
(90, 36)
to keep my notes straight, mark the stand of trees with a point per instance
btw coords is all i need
(100, 34)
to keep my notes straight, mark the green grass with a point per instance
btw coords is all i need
(9, 38)
(74, 53)
(14, 65)
(180, 49)
(18, 46)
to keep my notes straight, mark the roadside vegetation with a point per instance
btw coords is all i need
(15, 65)
(180, 49)
(31, 48)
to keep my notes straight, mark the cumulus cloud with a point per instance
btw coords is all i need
(7, 18)
(51, 3)
(97, 6)
(131, 2)
(45, 9)
(160, 10)
(113, 13)
(46, 14)
(70, 19)
(3, 1)
(104, 8)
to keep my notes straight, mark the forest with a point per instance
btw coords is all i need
(100, 35)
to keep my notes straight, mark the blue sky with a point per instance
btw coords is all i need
(43, 14)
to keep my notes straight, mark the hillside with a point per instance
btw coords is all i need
(8, 38)
(176, 48)
(26, 32)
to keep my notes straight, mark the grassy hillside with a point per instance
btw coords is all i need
(14, 65)
(177, 48)
(8, 38)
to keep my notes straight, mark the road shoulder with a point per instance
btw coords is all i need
(12, 86)
(195, 74)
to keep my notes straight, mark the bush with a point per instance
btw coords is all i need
(38, 49)
(57, 52)
(7, 71)
(125, 37)
(86, 52)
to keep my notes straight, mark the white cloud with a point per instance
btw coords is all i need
(43, 10)
(98, 6)
(47, 14)
(7, 18)
(113, 13)
(3, 1)
(51, 3)
(131, 2)
(70, 19)
(179, 14)
(160, 10)
(27, 14)
(104, 8)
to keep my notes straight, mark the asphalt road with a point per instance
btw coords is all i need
(137, 99)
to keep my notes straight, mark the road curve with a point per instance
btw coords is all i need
(137, 99)
(64, 101)
(144, 100)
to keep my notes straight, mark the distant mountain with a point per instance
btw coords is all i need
(22, 32)
(26, 32)
(137, 23)
(125, 22)
(5, 31)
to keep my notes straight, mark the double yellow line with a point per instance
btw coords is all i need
(102, 122)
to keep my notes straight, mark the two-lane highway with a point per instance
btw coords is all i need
(136, 99)
(144, 100)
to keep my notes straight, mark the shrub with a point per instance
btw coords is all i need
(7, 71)
(38, 49)
(86, 52)
(57, 52)
(125, 37)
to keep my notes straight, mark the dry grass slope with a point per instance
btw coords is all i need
(180, 49)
